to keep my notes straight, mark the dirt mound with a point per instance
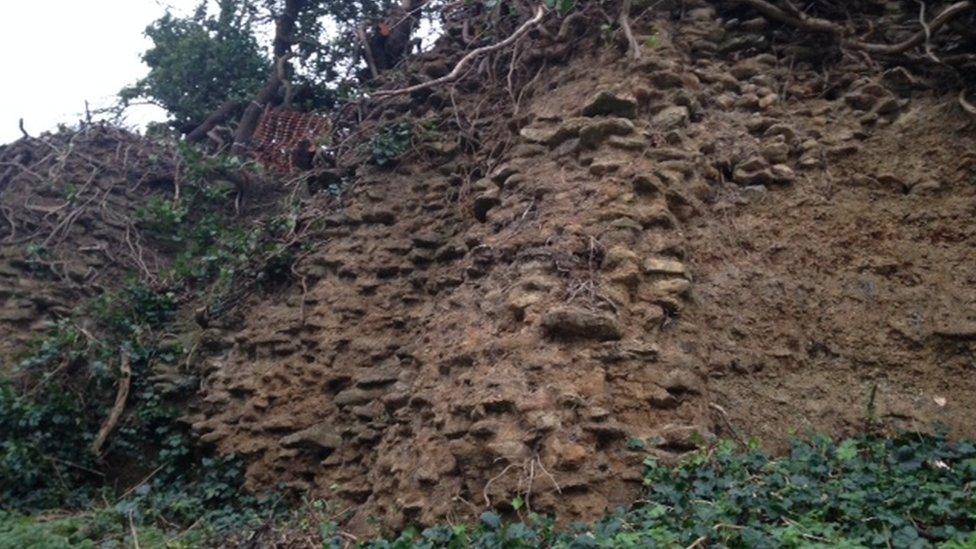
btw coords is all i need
(69, 201)
(711, 242)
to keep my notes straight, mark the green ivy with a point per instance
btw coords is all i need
(390, 142)
(911, 491)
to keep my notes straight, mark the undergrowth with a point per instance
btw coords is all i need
(910, 491)
(61, 389)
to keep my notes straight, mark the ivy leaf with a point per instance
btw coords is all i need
(847, 450)
(517, 503)
(491, 520)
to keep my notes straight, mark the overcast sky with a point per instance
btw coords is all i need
(55, 54)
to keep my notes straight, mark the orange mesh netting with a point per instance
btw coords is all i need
(283, 135)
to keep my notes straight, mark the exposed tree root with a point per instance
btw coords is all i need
(633, 48)
(120, 397)
(796, 18)
(467, 59)
(918, 38)
(965, 104)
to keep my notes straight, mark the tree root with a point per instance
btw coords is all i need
(633, 48)
(921, 36)
(797, 19)
(793, 17)
(120, 397)
(965, 104)
(467, 59)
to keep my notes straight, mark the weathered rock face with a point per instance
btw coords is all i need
(486, 316)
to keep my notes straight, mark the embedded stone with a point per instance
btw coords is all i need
(654, 265)
(354, 396)
(667, 79)
(379, 216)
(569, 456)
(777, 152)
(627, 143)
(662, 291)
(684, 438)
(485, 202)
(662, 399)
(596, 132)
(576, 323)
(647, 184)
(681, 381)
(321, 436)
(671, 118)
(782, 173)
(745, 69)
(618, 255)
(606, 103)
(603, 166)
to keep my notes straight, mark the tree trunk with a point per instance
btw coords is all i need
(216, 118)
(284, 37)
(389, 41)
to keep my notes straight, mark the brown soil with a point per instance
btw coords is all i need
(757, 253)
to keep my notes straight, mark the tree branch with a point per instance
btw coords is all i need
(219, 116)
(284, 37)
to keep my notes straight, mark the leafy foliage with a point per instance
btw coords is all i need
(197, 63)
(64, 385)
(46, 430)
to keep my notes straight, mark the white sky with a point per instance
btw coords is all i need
(55, 54)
